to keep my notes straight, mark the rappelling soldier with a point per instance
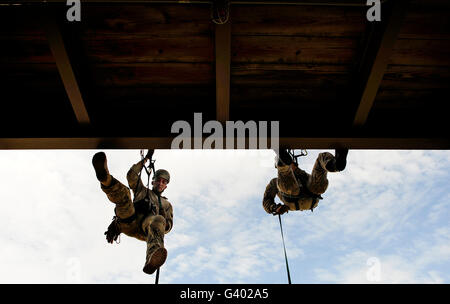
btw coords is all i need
(147, 217)
(297, 189)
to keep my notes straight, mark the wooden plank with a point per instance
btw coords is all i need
(421, 52)
(153, 74)
(223, 62)
(148, 21)
(29, 110)
(422, 122)
(31, 75)
(118, 49)
(304, 50)
(66, 72)
(323, 21)
(289, 75)
(19, 21)
(374, 66)
(33, 50)
(287, 2)
(349, 3)
(415, 78)
(283, 99)
(422, 100)
(422, 22)
(187, 99)
(165, 143)
(431, 3)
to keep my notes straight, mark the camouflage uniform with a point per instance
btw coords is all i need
(149, 227)
(297, 189)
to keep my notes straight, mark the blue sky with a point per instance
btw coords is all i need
(385, 219)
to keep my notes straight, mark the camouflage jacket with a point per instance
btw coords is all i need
(135, 183)
(304, 201)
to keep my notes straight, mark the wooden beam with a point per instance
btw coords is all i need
(165, 143)
(65, 69)
(357, 3)
(223, 67)
(375, 61)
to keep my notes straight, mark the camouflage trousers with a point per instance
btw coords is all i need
(317, 181)
(150, 228)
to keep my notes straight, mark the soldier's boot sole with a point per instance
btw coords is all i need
(100, 166)
(157, 260)
(341, 159)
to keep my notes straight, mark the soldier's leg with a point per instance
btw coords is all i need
(317, 181)
(116, 192)
(120, 195)
(326, 162)
(286, 181)
(154, 226)
(101, 168)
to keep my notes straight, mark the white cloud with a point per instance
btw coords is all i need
(417, 263)
(54, 216)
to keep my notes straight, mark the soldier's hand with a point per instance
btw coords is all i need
(110, 238)
(281, 209)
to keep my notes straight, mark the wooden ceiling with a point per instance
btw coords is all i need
(122, 75)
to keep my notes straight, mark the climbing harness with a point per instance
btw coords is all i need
(305, 191)
(291, 152)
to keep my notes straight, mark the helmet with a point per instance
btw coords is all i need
(162, 173)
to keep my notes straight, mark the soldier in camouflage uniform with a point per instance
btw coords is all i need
(297, 189)
(147, 218)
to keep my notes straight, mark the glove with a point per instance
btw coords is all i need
(280, 209)
(113, 232)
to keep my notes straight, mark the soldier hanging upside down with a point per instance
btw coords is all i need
(297, 189)
(147, 218)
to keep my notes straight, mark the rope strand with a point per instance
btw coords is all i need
(285, 255)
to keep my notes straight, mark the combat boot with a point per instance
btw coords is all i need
(283, 158)
(100, 166)
(156, 253)
(341, 158)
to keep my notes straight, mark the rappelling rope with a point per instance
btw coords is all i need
(294, 157)
(284, 247)
(148, 170)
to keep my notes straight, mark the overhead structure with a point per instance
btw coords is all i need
(121, 76)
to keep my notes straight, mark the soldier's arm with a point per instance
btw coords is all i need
(169, 217)
(301, 174)
(133, 176)
(269, 196)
